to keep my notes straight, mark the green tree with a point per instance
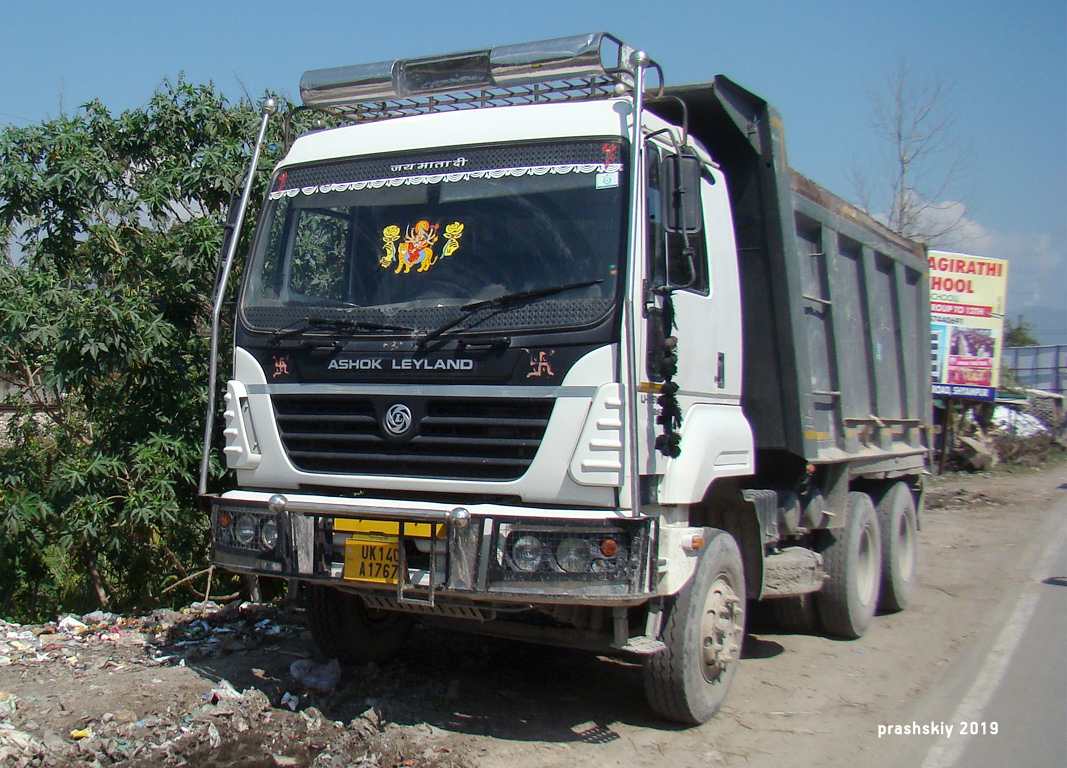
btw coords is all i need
(1021, 334)
(112, 225)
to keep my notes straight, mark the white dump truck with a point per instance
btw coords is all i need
(535, 346)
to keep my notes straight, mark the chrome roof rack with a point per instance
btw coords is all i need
(578, 68)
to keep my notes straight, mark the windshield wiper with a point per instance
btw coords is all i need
(308, 324)
(499, 302)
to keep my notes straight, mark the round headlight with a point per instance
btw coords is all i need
(573, 555)
(268, 532)
(526, 553)
(244, 530)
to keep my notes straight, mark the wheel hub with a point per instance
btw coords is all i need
(722, 628)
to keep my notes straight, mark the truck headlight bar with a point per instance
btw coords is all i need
(598, 61)
(246, 529)
(552, 553)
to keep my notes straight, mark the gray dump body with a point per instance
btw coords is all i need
(835, 306)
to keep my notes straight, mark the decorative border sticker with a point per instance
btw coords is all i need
(438, 178)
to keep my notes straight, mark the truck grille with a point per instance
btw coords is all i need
(458, 438)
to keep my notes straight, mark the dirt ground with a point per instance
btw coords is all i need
(211, 687)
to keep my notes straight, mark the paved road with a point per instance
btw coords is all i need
(1014, 709)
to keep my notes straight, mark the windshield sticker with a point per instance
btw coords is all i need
(437, 165)
(453, 232)
(439, 178)
(607, 180)
(417, 248)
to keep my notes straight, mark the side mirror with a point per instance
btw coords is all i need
(681, 194)
(227, 232)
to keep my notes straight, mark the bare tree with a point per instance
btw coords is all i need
(922, 160)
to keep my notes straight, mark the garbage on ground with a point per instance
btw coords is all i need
(290, 701)
(979, 454)
(170, 637)
(72, 626)
(321, 678)
(1016, 423)
(1024, 427)
(103, 690)
(16, 745)
(8, 704)
(224, 691)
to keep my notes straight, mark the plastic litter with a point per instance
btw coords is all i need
(1013, 422)
(290, 701)
(8, 704)
(100, 617)
(224, 691)
(321, 678)
(72, 626)
(14, 742)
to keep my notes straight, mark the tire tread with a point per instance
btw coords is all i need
(666, 673)
(838, 615)
(896, 591)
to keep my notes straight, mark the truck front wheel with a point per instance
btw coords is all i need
(900, 547)
(344, 628)
(689, 679)
(852, 558)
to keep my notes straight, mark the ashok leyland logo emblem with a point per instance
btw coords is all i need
(397, 420)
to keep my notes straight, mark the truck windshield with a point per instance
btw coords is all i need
(408, 241)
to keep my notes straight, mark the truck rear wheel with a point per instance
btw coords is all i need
(705, 626)
(796, 615)
(900, 547)
(853, 563)
(344, 628)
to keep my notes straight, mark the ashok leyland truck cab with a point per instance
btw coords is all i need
(530, 349)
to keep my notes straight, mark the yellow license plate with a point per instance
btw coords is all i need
(385, 528)
(374, 560)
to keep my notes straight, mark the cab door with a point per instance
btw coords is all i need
(693, 329)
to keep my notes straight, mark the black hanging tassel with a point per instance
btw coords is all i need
(670, 413)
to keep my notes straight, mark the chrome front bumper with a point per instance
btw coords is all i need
(446, 551)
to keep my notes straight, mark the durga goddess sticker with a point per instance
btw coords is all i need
(417, 247)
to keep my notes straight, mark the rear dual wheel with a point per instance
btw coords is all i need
(796, 615)
(899, 525)
(871, 563)
(852, 559)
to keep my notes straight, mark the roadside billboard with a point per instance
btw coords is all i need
(967, 295)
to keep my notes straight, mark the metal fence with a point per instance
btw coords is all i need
(1043, 367)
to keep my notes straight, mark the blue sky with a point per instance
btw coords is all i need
(815, 61)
